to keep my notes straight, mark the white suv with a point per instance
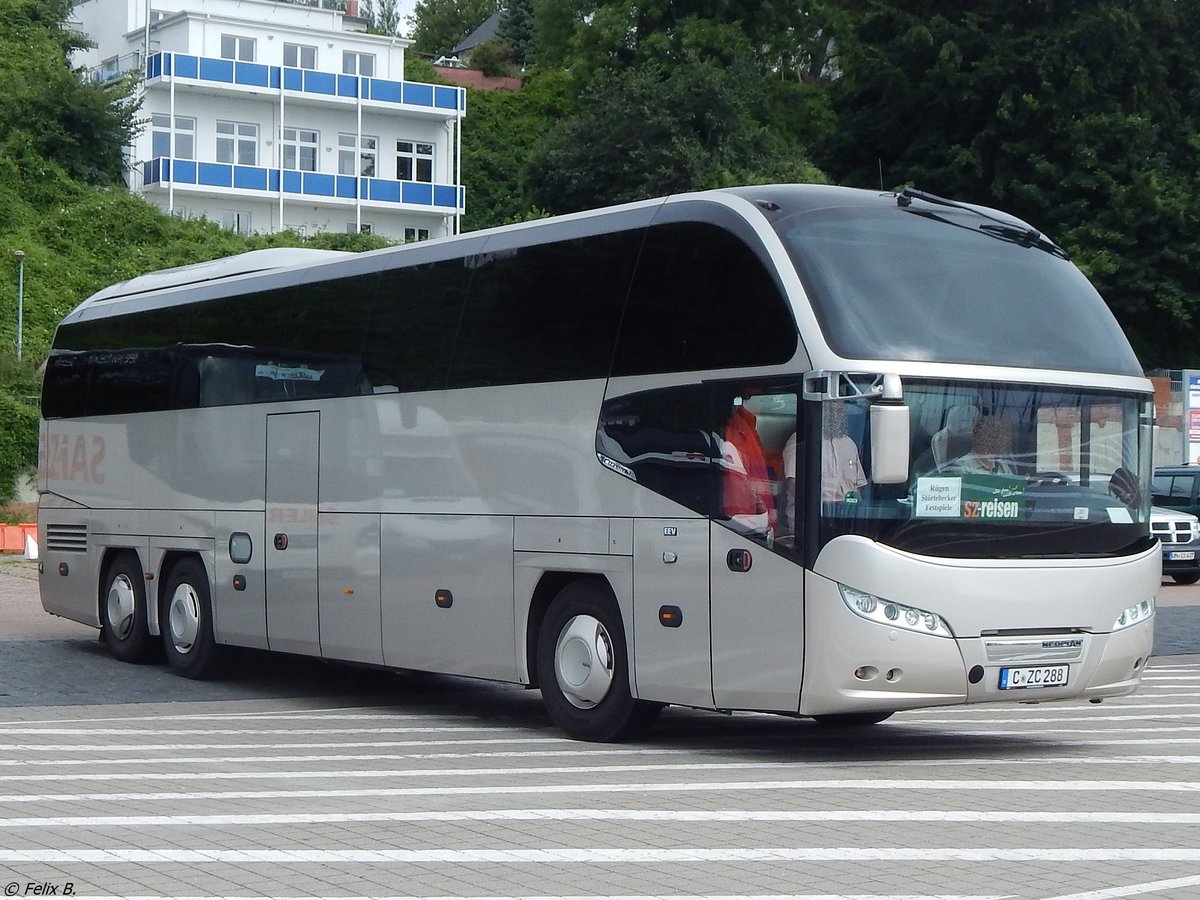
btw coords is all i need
(1179, 534)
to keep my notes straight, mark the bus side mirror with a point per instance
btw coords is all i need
(889, 443)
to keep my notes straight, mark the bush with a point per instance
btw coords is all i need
(18, 442)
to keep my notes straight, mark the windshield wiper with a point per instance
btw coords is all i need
(1026, 237)
(1022, 235)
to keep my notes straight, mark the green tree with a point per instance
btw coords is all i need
(493, 58)
(517, 30)
(650, 130)
(384, 15)
(1081, 117)
(49, 108)
(499, 133)
(437, 26)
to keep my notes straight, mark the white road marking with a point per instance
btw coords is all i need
(1133, 890)
(1007, 785)
(612, 815)
(298, 758)
(603, 855)
(619, 897)
(391, 773)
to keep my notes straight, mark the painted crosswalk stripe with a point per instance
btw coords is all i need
(925, 785)
(989, 817)
(604, 855)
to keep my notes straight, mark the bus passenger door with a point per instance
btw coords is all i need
(291, 506)
(757, 625)
(670, 635)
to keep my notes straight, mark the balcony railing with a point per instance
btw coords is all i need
(115, 67)
(446, 198)
(306, 81)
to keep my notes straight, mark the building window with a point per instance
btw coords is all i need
(414, 161)
(415, 234)
(234, 46)
(364, 228)
(361, 163)
(237, 143)
(354, 63)
(299, 56)
(185, 136)
(235, 221)
(300, 149)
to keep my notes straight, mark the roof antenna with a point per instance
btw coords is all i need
(879, 160)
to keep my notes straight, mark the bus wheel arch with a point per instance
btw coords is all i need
(583, 665)
(186, 619)
(123, 610)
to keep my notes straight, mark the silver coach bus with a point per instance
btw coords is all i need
(799, 449)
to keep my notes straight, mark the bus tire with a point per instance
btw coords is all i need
(123, 610)
(186, 619)
(583, 667)
(852, 720)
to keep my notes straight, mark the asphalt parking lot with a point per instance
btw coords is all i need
(295, 778)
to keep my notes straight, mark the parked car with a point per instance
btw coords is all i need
(1177, 487)
(1179, 534)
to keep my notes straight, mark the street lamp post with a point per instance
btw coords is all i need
(20, 254)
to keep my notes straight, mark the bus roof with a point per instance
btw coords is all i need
(216, 270)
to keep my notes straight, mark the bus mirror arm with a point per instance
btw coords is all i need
(889, 442)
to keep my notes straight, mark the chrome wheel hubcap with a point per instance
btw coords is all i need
(584, 662)
(122, 603)
(183, 618)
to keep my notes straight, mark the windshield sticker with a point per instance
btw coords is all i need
(288, 373)
(1119, 515)
(971, 497)
(939, 498)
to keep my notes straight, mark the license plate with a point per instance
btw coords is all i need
(1181, 554)
(1032, 677)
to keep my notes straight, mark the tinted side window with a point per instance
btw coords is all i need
(413, 322)
(116, 365)
(666, 440)
(728, 451)
(544, 313)
(1182, 487)
(701, 299)
(65, 384)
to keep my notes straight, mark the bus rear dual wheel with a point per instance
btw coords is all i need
(185, 619)
(123, 610)
(583, 667)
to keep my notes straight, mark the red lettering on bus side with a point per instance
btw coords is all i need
(98, 453)
(79, 462)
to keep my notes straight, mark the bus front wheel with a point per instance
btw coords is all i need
(187, 628)
(583, 667)
(123, 610)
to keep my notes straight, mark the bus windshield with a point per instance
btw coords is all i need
(996, 471)
(902, 284)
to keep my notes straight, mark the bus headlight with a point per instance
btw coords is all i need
(896, 615)
(1139, 612)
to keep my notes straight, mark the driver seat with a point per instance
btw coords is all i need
(954, 439)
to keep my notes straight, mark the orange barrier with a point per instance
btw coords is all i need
(12, 537)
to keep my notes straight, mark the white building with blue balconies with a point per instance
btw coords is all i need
(265, 115)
